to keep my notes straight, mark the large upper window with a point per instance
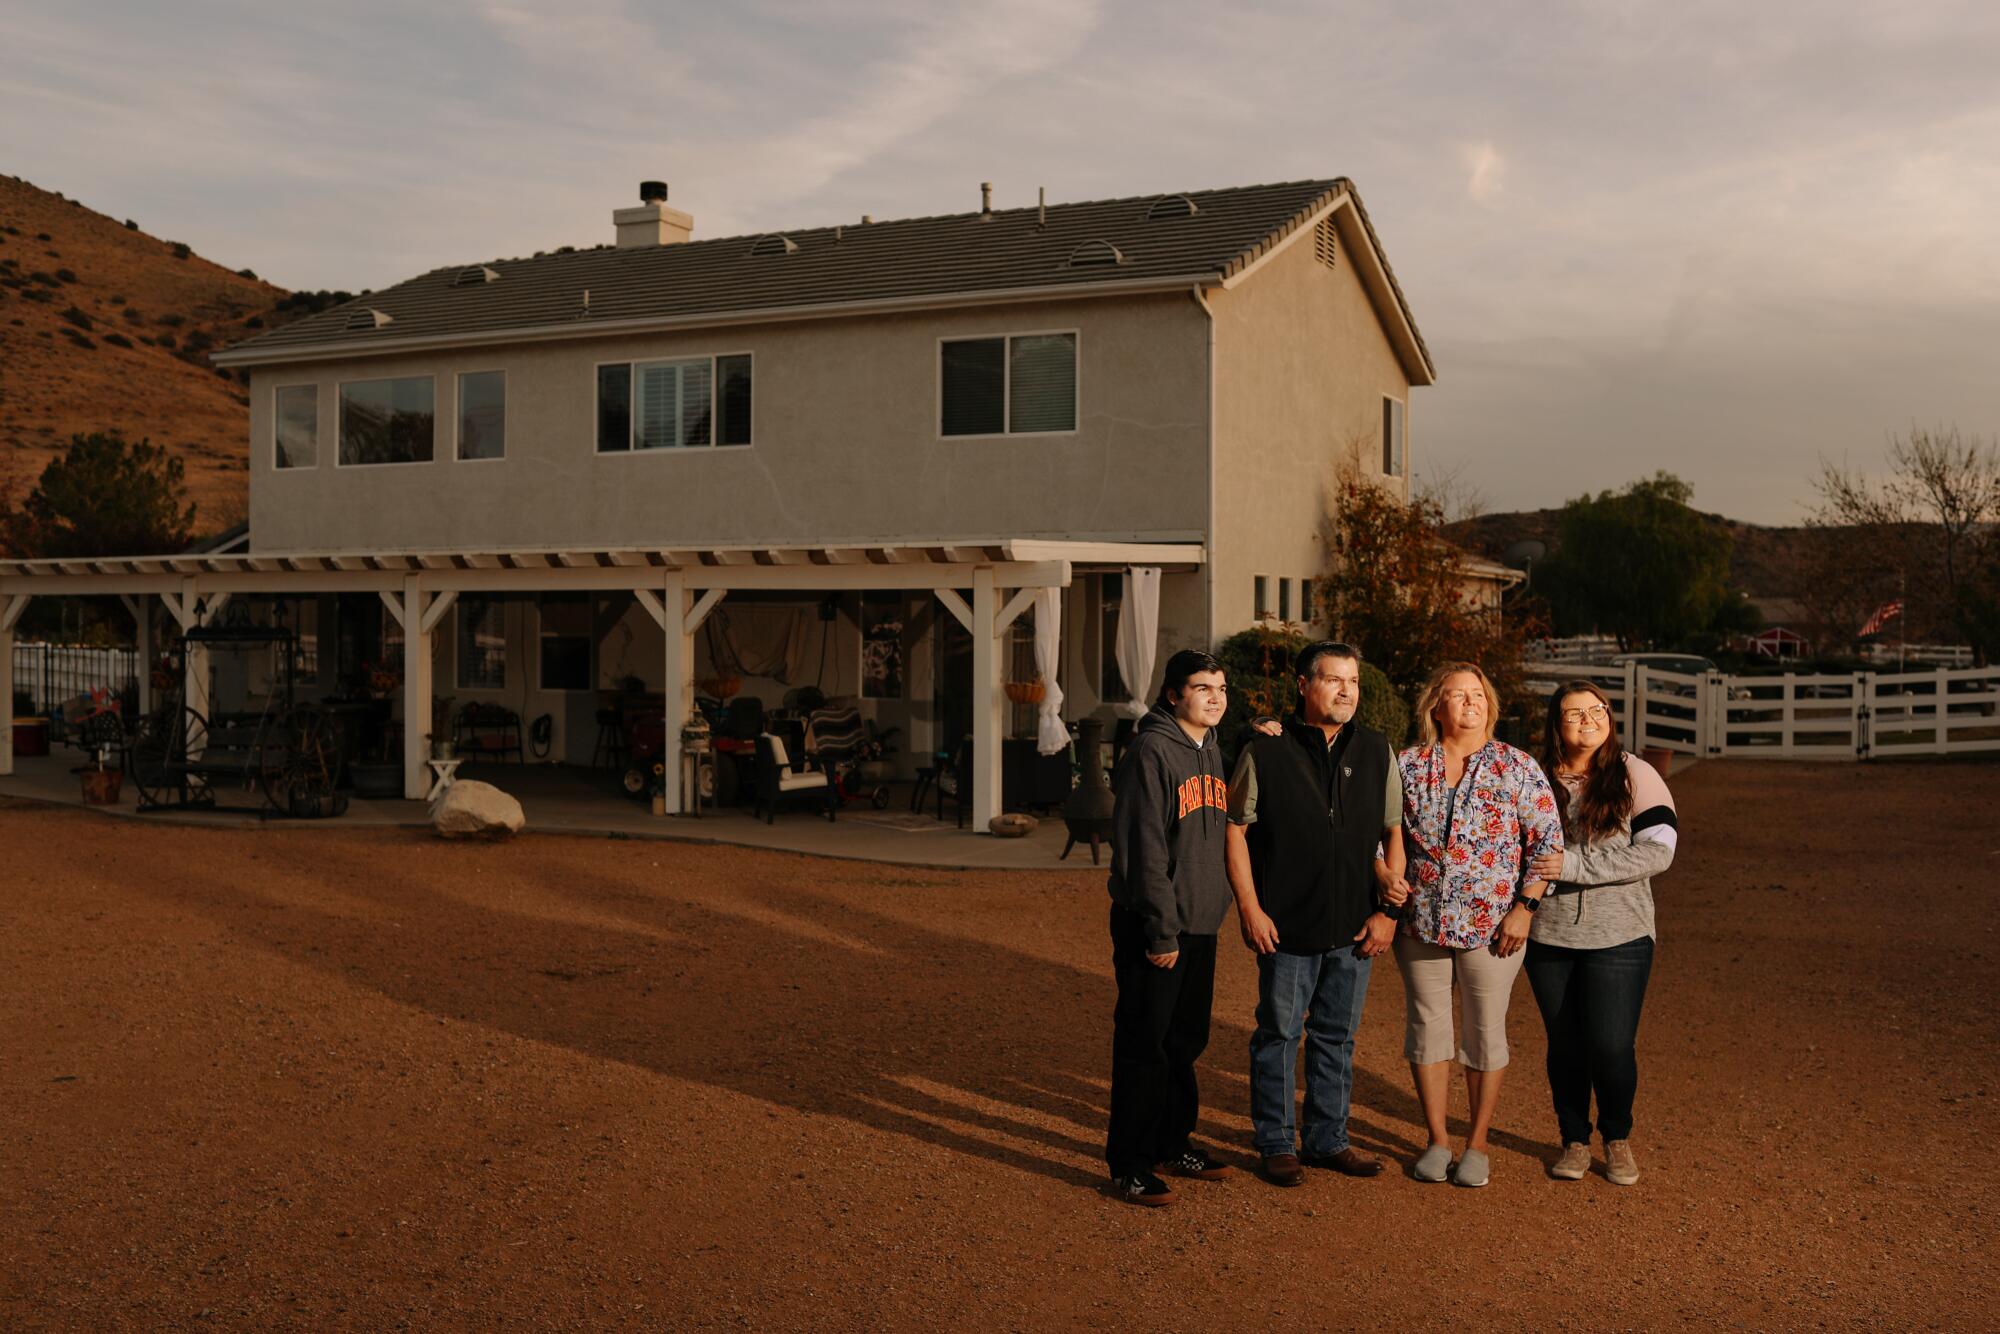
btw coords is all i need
(298, 425)
(388, 421)
(1019, 385)
(1393, 455)
(686, 403)
(482, 415)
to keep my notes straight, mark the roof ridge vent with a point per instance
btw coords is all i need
(368, 318)
(475, 276)
(773, 243)
(1096, 252)
(1171, 206)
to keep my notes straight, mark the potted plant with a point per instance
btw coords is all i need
(101, 782)
(1026, 692)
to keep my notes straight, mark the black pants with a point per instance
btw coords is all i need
(1590, 1002)
(1158, 1031)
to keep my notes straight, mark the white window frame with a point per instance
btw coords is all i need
(631, 414)
(1006, 384)
(1403, 419)
(542, 632)
(458, 414)
(338, 408)
(318, 434)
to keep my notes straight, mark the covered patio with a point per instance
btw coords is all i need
(985, 587)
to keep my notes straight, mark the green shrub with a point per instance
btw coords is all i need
(37, 294)
(117, 340)
(131, 226)
(173, 321)
(251, 274)
(65, 276)
(1259, 662)
(180, 249)
(78, 318)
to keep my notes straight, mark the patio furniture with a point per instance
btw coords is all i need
(447, 774)
(778, 780)
(611, 747)
(487, 731)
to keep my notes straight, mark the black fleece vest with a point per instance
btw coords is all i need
(1319, 820)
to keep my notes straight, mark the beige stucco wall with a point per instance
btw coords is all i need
(846, 446)
(1302, 366)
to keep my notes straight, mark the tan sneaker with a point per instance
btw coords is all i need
(1620, 1167)
(1573, 1165)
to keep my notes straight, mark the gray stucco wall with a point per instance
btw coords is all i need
(846, 445)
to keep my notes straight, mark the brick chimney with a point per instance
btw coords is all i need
(652, 223)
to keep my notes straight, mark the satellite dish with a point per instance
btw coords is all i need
(1524, 553)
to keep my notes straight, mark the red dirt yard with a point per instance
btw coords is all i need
(304, 1077)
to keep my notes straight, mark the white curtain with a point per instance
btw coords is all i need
(1051, 736)
(1138, 634)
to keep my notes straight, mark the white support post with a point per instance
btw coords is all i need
(986, 696)
(142, 612)
(416, 690)
(10, 615)
(677, 686)
(194, 692)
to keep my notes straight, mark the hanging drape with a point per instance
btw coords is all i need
(1138, 634)
(1051, 736)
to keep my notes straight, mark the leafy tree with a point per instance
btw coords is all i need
(1262, 684)
(1639, 564)
(104, 497)
(1397, 590)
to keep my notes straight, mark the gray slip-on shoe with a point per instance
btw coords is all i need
(1434, 1162)
(1472, 1168)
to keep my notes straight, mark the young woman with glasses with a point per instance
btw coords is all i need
(1591, 947)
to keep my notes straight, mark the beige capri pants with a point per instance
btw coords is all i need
(1485, 985)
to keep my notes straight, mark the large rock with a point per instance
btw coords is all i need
(471, 809)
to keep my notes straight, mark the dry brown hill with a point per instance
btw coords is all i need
(105, 328)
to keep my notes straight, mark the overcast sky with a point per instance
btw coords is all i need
(1718, 238)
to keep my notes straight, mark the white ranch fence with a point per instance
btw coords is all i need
(1851, 716)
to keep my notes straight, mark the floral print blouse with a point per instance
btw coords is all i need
(1467, 856)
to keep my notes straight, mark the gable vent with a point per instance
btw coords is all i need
(1323, 242)
(1172, 206)
(368, 318)
(773, 244)
(475, 276)
(1095, 253)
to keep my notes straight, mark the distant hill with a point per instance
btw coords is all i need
(103, 328)
(1757, 561)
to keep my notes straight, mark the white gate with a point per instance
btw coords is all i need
(1858, 715)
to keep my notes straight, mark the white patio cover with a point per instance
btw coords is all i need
(1138, 634)
(1051, 736)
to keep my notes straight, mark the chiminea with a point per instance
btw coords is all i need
(1088, 810)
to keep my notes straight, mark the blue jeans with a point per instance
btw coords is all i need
(1319, 995)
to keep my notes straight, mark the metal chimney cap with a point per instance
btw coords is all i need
(652, 192)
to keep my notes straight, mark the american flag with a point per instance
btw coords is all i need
(1884, 614)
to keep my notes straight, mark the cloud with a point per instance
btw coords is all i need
(1484, 167)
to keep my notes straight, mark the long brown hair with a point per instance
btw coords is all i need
(1605, 802)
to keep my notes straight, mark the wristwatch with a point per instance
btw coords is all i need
(1533, 905)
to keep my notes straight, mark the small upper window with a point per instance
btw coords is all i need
(1020, 385)
(476, 276)
(1260, 598)
(368, 318)
(388, 421)
(1393, 455)
(774, 244)
(1172, 206)
(298, 425)
(1306, 601)
(482, 415)
(1095, 252)
(1284, 599)
(686, 403)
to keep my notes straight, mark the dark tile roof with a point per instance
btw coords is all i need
(910, 259)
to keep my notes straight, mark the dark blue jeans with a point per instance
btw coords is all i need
(1319, 996)
(1590, 1002)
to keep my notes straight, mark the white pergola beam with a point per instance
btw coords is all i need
(955, 604)
(986, 697)
(1020, 602)
(10, 612)
(416, 622)
(677, 683)
(394, 603)
(654, 607)
(435, 612)
(703, 607)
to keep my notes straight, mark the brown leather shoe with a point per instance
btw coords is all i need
(1350, 1161)
(1282, 1169)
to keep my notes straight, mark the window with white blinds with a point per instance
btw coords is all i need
(673, 404)
(1022, 384)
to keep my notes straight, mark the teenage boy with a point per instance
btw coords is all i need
(1169, 891)
(1309, 807)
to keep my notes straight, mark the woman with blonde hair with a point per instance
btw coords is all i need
(1590, 954)
(1475, 811)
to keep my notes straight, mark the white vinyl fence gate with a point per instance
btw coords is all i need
(1852, 716)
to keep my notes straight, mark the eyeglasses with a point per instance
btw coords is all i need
(1596, 713)
(1463, 696)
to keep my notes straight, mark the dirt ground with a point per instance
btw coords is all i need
(294, 1078)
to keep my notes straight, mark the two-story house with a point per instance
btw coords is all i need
(849, 457)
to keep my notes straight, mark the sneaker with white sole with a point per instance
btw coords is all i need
(1573, 1165)
(1473, 1167)
(1142, 1188)
(1621, 1167)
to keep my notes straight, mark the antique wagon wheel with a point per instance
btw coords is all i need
(298, 764)
(159, 758)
